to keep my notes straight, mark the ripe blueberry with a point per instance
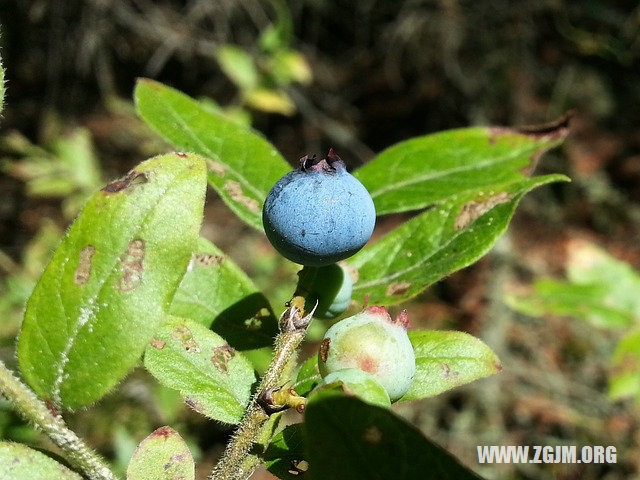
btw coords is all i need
(360, 384)
(331, 286)
(372, 342)
(318, 214)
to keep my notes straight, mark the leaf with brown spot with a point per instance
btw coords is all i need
(163, 455)
(445, 360)
(110, 281)
(440, 241)
(19, 462)
(216, 293)
(81, 275)
(435, 168)
(214, 379)
(243, 165)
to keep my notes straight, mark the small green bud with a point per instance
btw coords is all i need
(330, 286)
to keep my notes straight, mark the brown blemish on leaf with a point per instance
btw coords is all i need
(498, 366)
(217, 168)
(132, 179)
(208, 259)
(324, 349)
(175, 458)
(158, 344)
(398, 288)
(448, 373)
(222, 355)
(234, 189)
(83, 271)
(184, 335)
(554, 131)
(194, 404)
(181, 155)
(372, 435)
(131, 265)
(164, 432)
(477, 208)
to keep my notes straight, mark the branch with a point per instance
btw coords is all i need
(293, 327)
(35, 411)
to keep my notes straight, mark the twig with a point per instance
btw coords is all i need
(293, 327)
(35, 411)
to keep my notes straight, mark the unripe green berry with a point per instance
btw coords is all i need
(330, 286)
(374, 343)
(360, 384)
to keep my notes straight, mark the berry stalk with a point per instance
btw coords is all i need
(293, 327)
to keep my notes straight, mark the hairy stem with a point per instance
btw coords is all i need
(293, 327)
(35, 411)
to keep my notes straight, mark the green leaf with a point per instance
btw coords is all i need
(285, 454)
(216, 293)
(445, 360)
(601, 290)
(308, 376)
(347, 438)
(437, 242)
(111, 280)
(163, 455)
(588, 302)
(625, 371)
(243, 166)
(435, 168)
(239, 66)
(213, 378)
(19, 462)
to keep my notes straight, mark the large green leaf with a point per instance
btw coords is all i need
(163, 455)
(111, 280)
(435, 168)
(243, 166)
(214, 379)
(216, 293)
(19, 462)
(437, 242)
(347, 438)
(445, 360)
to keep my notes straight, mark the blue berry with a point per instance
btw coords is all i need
(331, 286)
(370, 341)
(318, 214)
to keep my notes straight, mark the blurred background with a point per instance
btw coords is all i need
(558, 298)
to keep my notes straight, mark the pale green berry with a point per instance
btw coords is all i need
(374, 343)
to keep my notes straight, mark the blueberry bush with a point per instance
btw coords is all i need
(133, 284)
